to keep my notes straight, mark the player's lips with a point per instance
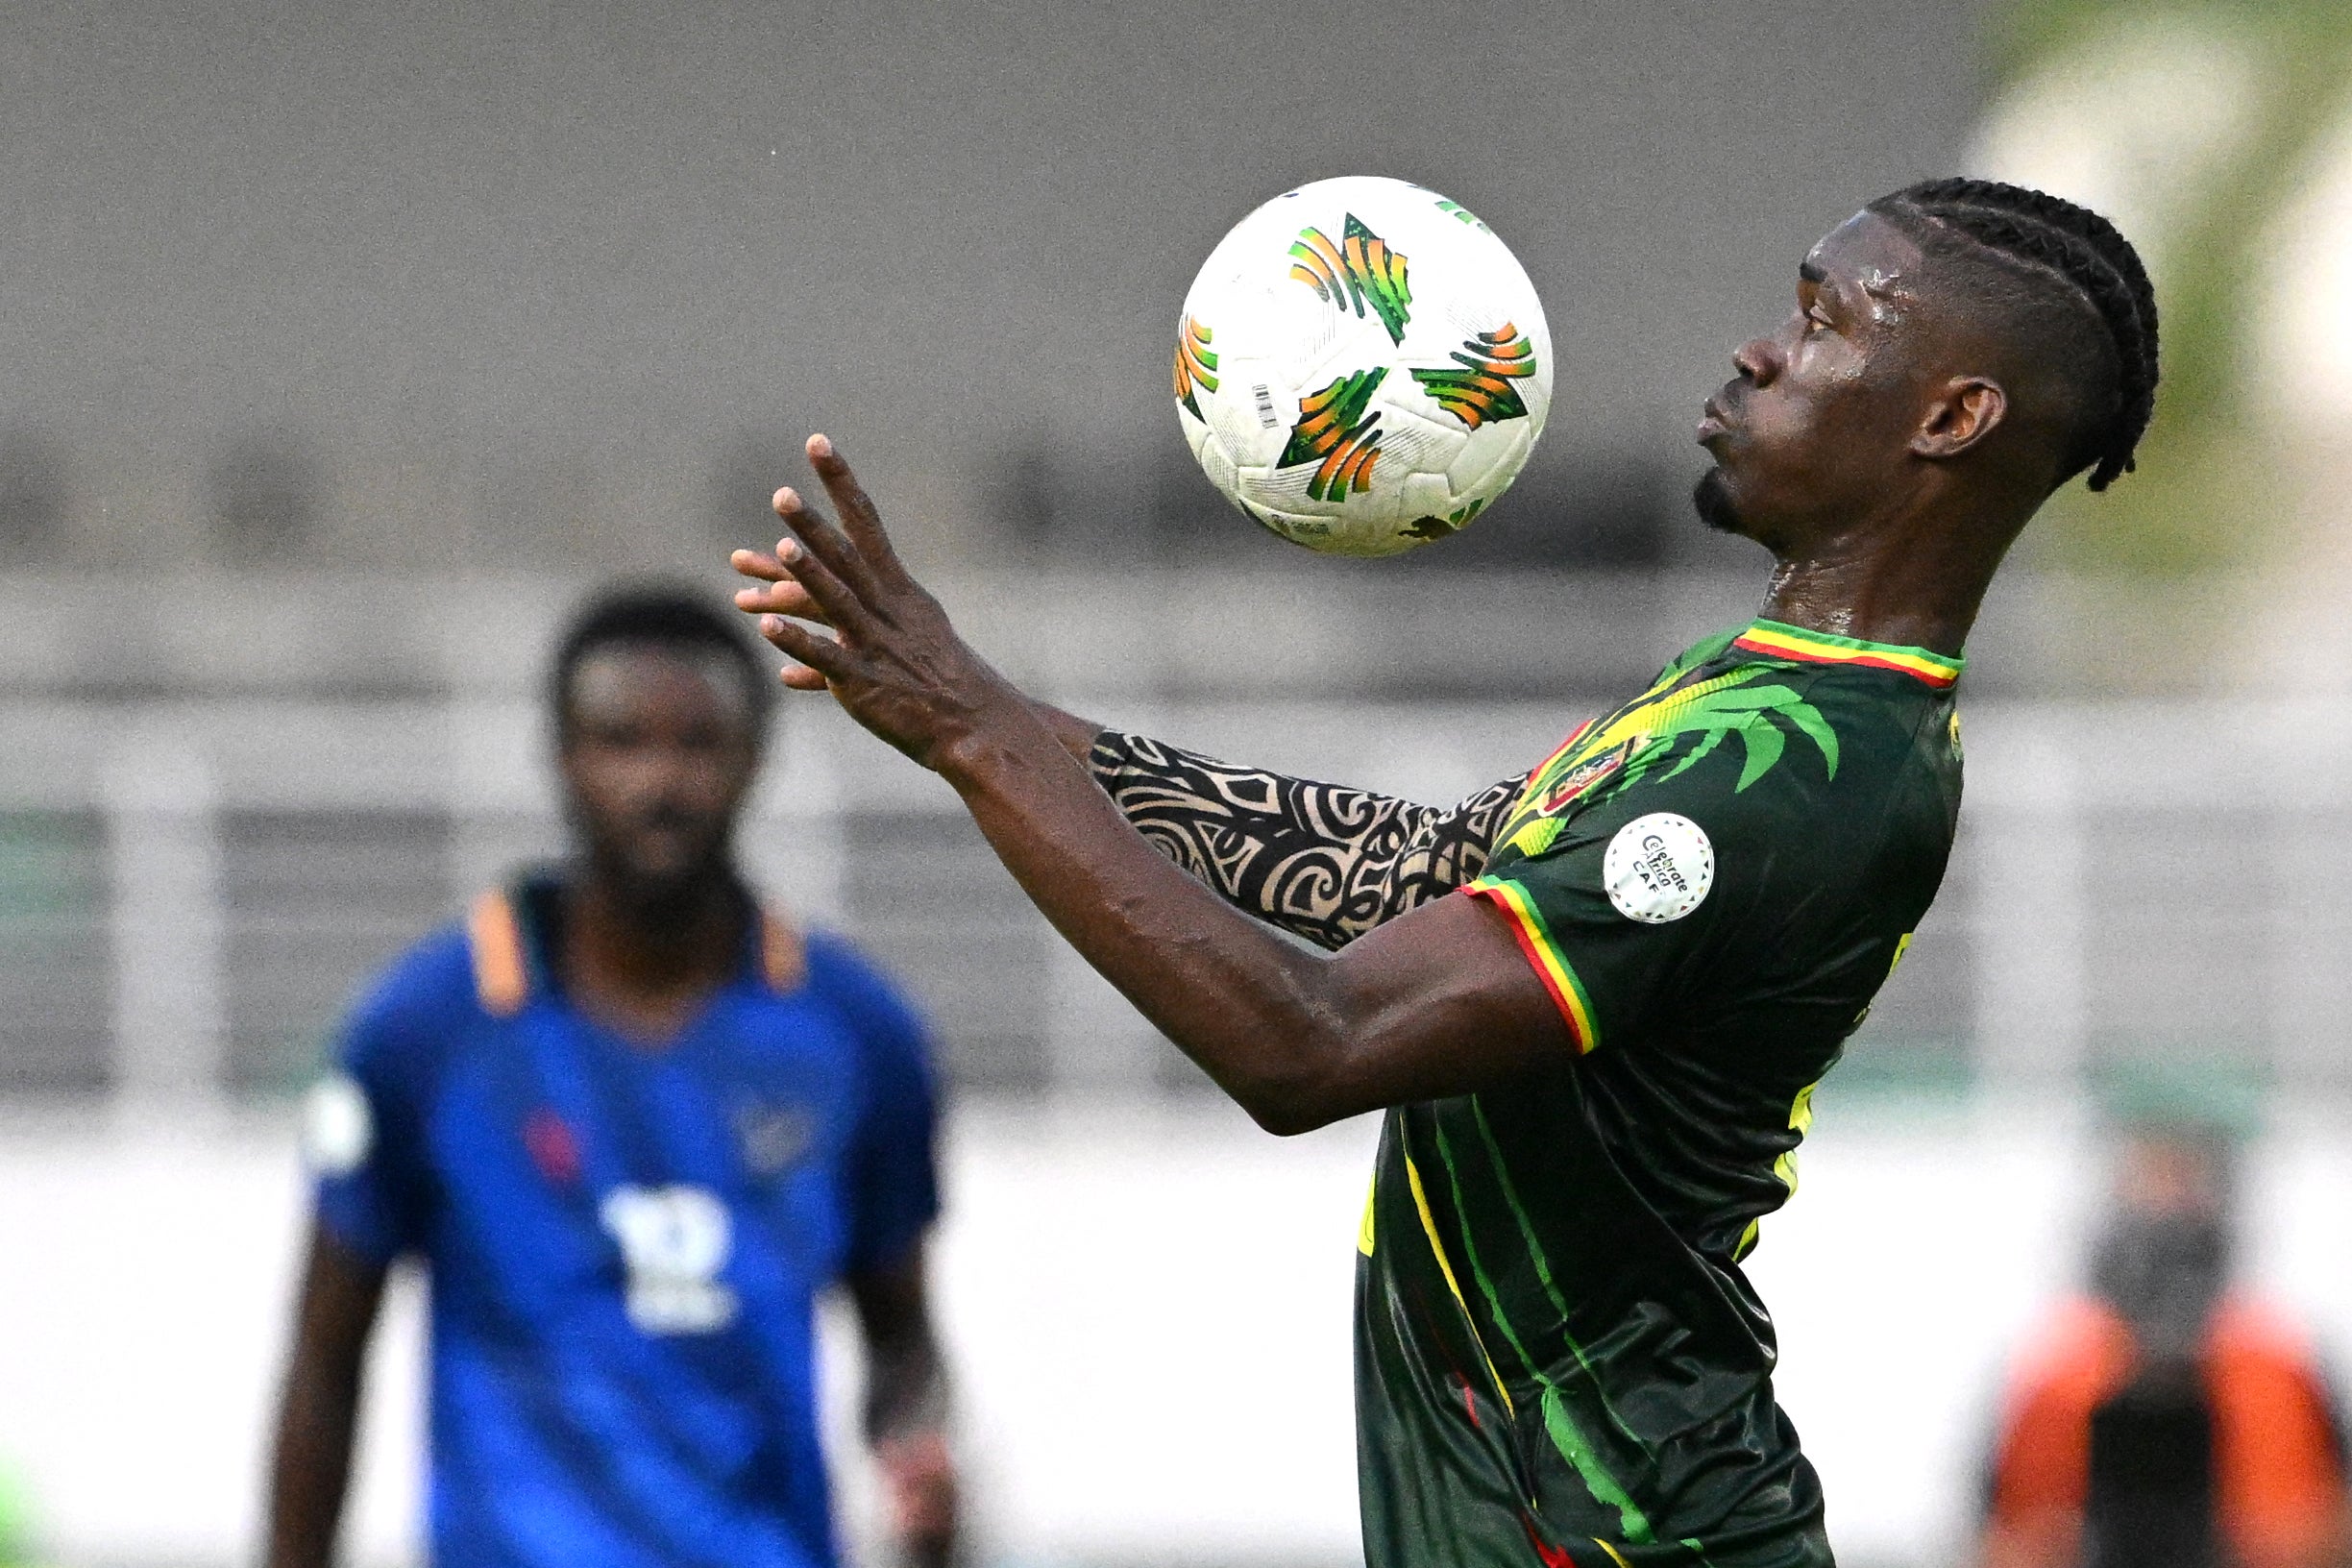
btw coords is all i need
(1712, 422)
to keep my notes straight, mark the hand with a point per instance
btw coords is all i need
(919, 1475)
(893, 662)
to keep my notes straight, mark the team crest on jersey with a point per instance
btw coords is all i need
(1666, 731)
(774, 1137)
(554, 1148)
(1580, 778)
(1570, 774)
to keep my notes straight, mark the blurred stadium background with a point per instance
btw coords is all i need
(346, 346)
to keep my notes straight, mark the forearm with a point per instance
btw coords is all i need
(906, 1383)
(1436, 1003)
(310, 1470)
(1261, 1017)
(310, 1466)
(1322, 861)
(906, 1406)
(1076, 735)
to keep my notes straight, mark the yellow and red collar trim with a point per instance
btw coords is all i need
(1786, 642)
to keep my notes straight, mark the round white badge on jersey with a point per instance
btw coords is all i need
(1659, 868)
(338, 1131)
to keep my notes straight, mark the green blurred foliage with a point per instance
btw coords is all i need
(15, 1522)
(2207, 493)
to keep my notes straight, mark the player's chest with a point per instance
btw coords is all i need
(565, 1152)
(1595, 755)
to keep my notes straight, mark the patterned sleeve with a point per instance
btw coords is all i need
(1321, 861)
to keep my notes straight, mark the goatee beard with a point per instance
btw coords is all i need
(1711, 499)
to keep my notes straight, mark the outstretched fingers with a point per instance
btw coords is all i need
(860, 520)
(825, 563)
(818, 661)
(826, 542)
(785, 595)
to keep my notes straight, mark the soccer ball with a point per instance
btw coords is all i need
(1361, 366)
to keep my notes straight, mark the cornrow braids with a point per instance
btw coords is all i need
(2083, 251)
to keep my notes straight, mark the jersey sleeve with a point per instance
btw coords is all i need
(892, 1172)
(1321, 861)
(1645, 890)
(364, 1123)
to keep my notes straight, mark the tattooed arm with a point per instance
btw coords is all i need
(1319, 860)
(1437, 1002)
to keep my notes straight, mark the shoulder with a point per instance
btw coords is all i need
(1712, 647)
(2251, 1330)
(892, 1047)
(425, 986)
(873, 1003)
(1753, 767)
(1745, 744)
(1830, 732)
(404, 1022)
(838, 968)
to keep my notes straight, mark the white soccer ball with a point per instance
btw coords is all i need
(1363, 366)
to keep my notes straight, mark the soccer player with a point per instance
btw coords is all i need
(632, 1126)
(1595, 1002)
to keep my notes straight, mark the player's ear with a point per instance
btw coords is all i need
(1963, 412)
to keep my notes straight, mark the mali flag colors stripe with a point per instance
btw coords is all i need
(1551, 964)
(1820, 647)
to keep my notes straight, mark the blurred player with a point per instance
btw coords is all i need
(632, 1126)
(2167, 1420)
(1597, 1062)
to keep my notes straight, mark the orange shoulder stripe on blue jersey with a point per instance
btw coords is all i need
(783, 958)
(502, 974)
(1786, 642)
(502, 968)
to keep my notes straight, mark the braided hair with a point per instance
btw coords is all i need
(2073, 251)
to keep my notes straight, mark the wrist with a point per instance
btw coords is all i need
(1002, 736)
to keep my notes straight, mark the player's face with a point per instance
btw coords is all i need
(660, 754)
(1815, 425)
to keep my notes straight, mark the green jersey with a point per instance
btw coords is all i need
(1560, 1364)
(1559, 1360)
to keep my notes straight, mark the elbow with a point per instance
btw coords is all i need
(1298, 1099)
(1297, 1067)
(1289, 1118)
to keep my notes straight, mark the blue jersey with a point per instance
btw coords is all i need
(624, 1243)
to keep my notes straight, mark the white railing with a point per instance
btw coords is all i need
(189, 893)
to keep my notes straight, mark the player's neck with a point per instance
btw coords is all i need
(1913, 584)
(645, 967)
(1833, 597)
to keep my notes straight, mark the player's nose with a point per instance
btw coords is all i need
(1758, 360)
